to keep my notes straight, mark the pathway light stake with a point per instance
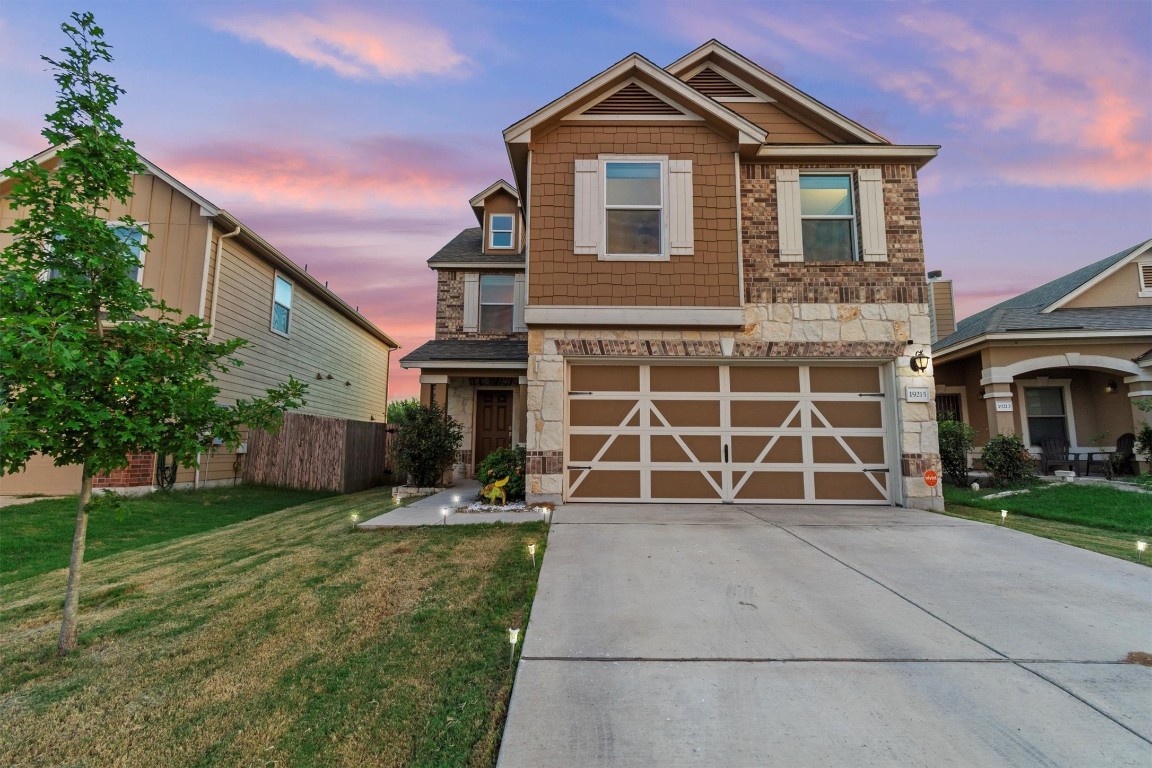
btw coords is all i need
(532, 551)
(513, 636)
(355, 518)
(1140, 547)
(1003, 516)
(444, 512)
(456, 499)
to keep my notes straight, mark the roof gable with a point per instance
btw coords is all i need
(717, 57)
(1094, 274)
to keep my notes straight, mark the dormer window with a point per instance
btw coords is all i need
(500, 230)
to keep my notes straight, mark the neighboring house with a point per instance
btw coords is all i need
(1062, 360)
(714, 282)
(202, 261)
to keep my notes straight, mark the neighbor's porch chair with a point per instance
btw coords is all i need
(1054, 455)
(1121, 461)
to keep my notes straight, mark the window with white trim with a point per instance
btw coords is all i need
(633, 208)
(831, 216)
(281, 305)
(497, 299)
(1044, 407)
(130, 235)
(501, 230)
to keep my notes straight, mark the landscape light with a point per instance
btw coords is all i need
(444, 512)
(1140, 547)
(1003, 516)
(532, 551)
(456, 499)
(513, 636)
(355, 517)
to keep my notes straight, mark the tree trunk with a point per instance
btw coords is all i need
(72, 597)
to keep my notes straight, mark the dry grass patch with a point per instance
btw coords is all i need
(289, 640)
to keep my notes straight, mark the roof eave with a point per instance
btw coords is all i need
(917, 154)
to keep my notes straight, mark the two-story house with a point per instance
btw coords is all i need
(202, 261)
(718, 297)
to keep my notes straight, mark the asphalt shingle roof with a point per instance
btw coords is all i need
(470, 350)
(468, 248)
(1023, 312)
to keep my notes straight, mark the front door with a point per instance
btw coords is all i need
(493, 421)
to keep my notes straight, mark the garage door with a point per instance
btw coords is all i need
(727, 433)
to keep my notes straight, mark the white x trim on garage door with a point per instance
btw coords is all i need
(728, 433)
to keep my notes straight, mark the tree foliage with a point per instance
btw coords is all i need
(401, 411)
(423, 449)
(94, 367)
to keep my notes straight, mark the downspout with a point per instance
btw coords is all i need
(216, 277)
(212, 317)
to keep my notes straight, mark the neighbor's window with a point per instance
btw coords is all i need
(1046, 415)
(634, 205)
(497, 295)
(827, 217)
(500, 230)
(132, 237)
(281, 305)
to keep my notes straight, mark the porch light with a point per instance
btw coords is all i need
(1110, 387)
(532, 552)
(919, 362)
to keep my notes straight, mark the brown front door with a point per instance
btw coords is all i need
(493, 422)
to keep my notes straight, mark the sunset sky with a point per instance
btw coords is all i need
(350, 135)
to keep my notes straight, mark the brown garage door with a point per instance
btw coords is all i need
(740, 433)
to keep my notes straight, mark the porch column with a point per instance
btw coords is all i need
(434, 388)
(1000, 418)
(520, 414)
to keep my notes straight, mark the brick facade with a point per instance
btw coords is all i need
(450, 306)
(767, 280)
(709, 277)
(137, 473)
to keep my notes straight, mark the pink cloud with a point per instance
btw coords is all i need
(1080, 95)
(354, 44)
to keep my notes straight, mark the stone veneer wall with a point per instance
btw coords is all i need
(461, 406)
(793, 331)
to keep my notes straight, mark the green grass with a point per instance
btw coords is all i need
(1091, 516)
(37, 537)
(1094, 505)
(291, 640)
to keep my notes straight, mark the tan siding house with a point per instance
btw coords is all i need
(724, 288)
(204, 262)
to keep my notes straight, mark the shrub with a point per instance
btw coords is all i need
(1007, 460)
(955, 442)
(504, 462)
(423, 449)
(1144, 440)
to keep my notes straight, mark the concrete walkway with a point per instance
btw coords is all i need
(429, 511)
(726, 636)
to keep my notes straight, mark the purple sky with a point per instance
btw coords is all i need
(350, 135)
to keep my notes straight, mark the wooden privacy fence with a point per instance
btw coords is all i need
(319, 453)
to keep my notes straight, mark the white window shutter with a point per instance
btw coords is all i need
(788, 214)
(681, 234)
(519, 297)
(589, 207)
(875, 245)
(471, 302)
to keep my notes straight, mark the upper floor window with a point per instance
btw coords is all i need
(131, 236)
(831, 216)
(634, 206)
(500, 230)
(828, 218)
(281, 305)
(497, 299)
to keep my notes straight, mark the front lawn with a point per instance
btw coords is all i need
(37, 537)
(1091, 516)
(288, 640)
(1095, 505)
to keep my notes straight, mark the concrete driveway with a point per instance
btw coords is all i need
(727, 636)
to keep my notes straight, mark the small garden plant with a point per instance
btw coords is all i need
(501, 463)
(1007, 460)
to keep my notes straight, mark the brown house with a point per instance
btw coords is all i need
(713, 279)
(200, 259)
(1063, 360)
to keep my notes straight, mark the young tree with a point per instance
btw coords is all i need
(92, 367)
(402, 411)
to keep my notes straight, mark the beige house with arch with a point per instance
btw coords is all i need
(203, 261)
(711, 293)
(1066, 359)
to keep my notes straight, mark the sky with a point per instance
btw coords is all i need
(351, 135)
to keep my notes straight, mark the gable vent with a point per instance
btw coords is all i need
(632, 100)
(711, 83)
(1145, 277)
